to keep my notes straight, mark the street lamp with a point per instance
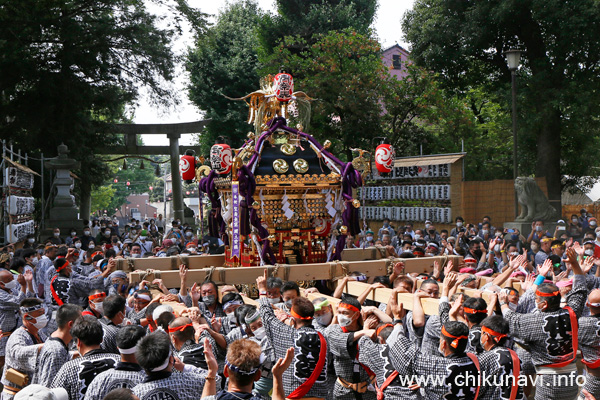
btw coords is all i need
(513, 59)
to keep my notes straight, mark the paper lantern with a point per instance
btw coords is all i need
(283, 85)
(187, 166)
(384, 158)
(221, 158)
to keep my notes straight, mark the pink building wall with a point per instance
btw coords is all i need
(395, 58)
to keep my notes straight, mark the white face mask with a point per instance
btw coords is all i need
(78, 245)
(417, 236)
(484, 231)
(138, 255)
(344, 320)
(497, 248)
(11, 285)
(56, 234)
(107, 233)
(459, 224)
(188, 234)
(31, 240)
(574, 220)
(260, 333)
(231, 318)
(91, 245)
(325, 319)
(73, 233)
(369, 238)
(275, 300)
(99, 307)
(512, 306)
(589, 252)
(41, 322)
(598, 234)
(592, 223)
(86, 233)
(427, 226)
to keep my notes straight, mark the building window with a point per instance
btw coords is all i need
(396, 61)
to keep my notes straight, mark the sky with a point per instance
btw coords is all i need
(387, 25)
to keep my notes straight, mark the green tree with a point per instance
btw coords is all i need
(343, 70)
(309, 18)
(224, 62)
(69, 68)
(464, 42)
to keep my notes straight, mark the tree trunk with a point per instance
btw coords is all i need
(548, 154)
(85, 199)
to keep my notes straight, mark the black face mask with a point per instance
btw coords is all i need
(477, 253)
(432, 232)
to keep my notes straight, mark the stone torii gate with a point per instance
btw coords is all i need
(173, 132)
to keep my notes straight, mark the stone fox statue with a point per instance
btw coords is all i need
(534, 203)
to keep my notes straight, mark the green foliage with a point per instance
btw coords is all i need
(102, 198)
(344, 72)
(69, 68)
(464, 42)
(309, 19)
(224, 62)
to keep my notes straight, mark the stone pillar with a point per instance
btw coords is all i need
(64, 212)
(175, 177)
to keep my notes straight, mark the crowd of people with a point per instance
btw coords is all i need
(74, 327)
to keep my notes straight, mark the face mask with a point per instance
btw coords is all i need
(589, 252)
(497, 248)
(431, 233)
(534, 248)
(41, 322)
(107, 233)
(484, 231)
(513, 254)
(275, 300)
(137, 255)
(188, 234)
(498, 234)
(73, 233)
(598, 234)
(459, 224)
(35, 262)
(512, 306)
(417, 236)
(369, 238)
(231, 318)
(77, 245)
(99, 307)
(574, 220)
(91, 245)
(288, 304)
(325, 319)
(260, 333)
(427, 226)
(31, 240)
(593, 223)
(11, 285)
(344, 320)
(209, 300)
(56, 234)
(538, 228)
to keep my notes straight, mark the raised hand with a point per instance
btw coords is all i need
(261, 281)
(545, 267)
(283, 364)
(449, 267)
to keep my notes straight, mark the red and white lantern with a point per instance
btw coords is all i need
(221, 158)
(187, 167)
(283, 85)
(384, 158)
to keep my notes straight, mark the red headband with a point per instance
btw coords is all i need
(97, 296)
(382, 327)
(348, 307)
(474, 311)
(65, 265)
(96, 253)
(179, 328)
(492, 332)
(542, 294)
(454, 343)
(297, 316)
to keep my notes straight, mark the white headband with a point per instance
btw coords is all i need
(142, 296)
(163, 365)
(127, 351)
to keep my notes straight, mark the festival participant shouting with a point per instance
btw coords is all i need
(55, 352)
(551, 333)
(589, 343)
(127, 373)
(307, 376)
(343, 339)
(24, 345)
